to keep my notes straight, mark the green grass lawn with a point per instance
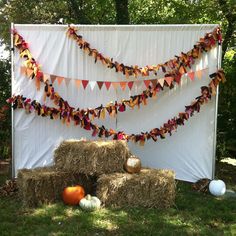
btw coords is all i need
(194, 214)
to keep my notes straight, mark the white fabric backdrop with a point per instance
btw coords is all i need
(189, 151)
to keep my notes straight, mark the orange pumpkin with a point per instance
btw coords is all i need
(73, 195)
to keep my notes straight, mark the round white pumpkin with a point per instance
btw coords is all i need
(133, 165)
(90, 203)
(217, 188)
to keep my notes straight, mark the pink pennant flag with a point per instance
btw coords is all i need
(85, 83)
(29, 72)
(169, 80)
(161, 82)
(107, 84)
(59, 80)
(191, 75)
(147, 82)
(77, 82)
(130, 84)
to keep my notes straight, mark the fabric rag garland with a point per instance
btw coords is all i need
(69, 114)
(173, 68)
(34, 72)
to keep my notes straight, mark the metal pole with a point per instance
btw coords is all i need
(219, 48)
(12, 111)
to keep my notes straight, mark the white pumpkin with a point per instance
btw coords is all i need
(217, 188)
(90, 203)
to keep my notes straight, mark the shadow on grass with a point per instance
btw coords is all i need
(194, 214)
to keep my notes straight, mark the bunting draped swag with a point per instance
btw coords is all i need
(189, 152)
(33, 71)
(68, 114)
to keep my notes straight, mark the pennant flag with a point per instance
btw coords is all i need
(199, 74)
(161, 82)
(53, 78)
(115, 84)
(100, 84)
(77, 82)
(191, 75)
(138, 83)
(85, 83)
(154, 82)
(92, 84)
(29, 72)
(59, 80)
(130, 84)
(46, 77)
(147, 82)
(107, 84)
(23, 70)
(178, 78)
(67, 80)
(123, 85)
(169, 80)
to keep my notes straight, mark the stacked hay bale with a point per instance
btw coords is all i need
(98, 165)
(77, 162)
(149, 188)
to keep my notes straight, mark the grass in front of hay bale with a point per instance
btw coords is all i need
(194, 214)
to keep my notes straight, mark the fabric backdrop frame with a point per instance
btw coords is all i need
(120, 119)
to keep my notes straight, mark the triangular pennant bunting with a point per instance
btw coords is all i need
(147, 82)
(191, 75)
(67, 80)
(107, 84)
(130, 84)
(77, 82)
(23, 70)
(123, 85)
(59, 80)
(199, 74)
(92, 84)
(115, 84)
(29, 72)
(46, 77)
(85, 83)
(53, 78)
(169, 80)
(154, 82)
(100, 84)
(161, 82)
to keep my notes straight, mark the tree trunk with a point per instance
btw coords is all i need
(122, 13)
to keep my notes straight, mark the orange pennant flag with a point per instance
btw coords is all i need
(169, 80)
(23, 70)
(115, 84)
(161, 82)
(191, 75)
(123, 85)
(59, 80)
(147, 82)
(29, 72)
(77, 82)
(199, 74)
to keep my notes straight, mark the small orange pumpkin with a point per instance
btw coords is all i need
(73, 195)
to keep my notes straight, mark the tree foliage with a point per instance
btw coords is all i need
(221, 12)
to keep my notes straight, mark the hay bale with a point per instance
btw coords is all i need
(91, 157)
(149, 188)
(45, 184)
